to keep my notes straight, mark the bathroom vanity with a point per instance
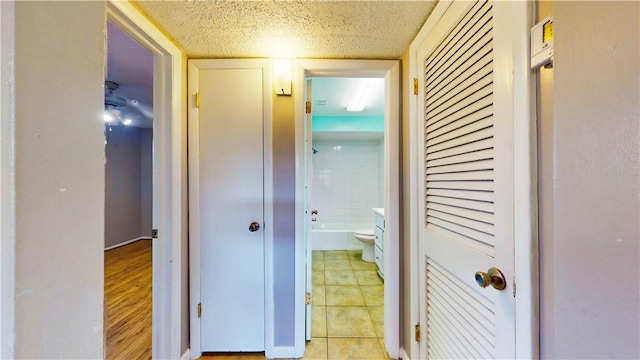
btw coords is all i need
(379, 239)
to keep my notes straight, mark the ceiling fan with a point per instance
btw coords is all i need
(110, 99)
(118, 110)
(112, 115)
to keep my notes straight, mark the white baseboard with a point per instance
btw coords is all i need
(403, 354)
(186, 355)
(127, 242)
(281, 352)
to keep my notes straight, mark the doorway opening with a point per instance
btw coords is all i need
(345, 183)
(382, 143)
(128, 197)
(170, 325)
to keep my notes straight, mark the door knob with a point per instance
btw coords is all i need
(492, 277)
(254, 227)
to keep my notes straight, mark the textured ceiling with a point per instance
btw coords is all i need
(304, 29)
(249, 28)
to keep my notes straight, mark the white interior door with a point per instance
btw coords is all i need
(308, 209)
(231, 198)
(465, 112)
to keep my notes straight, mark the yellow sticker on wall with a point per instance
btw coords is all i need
(547, 31)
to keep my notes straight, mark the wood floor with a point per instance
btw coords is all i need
(128, 298)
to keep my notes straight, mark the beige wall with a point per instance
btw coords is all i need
(590, 183)
(284, 177)
(59, 177)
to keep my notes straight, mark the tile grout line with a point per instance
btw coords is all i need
(360, 290)
(326, 313)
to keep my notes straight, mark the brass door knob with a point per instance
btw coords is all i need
(254, 226)
(492, 277)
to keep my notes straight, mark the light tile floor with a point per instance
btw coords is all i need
(347, 315)
(348, 298)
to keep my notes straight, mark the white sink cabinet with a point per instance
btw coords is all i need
(379, 241)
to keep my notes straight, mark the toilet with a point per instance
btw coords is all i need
(367, 237)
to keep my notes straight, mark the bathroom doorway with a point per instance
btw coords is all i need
(345, 184)
(347, 158)
(362, 146)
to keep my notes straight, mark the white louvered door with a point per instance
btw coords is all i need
(466, 218)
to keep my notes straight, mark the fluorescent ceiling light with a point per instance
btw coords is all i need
(361, 95)
(355, 107)
(127, 122)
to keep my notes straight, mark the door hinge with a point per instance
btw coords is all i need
(415, 86)
(514, 287)
(417, 334)
(154, 233)
(308, 107)
(199, 310)
(307, 298)
(197, 99)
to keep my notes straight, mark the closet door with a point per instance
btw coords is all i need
(466, 156)
(228, 207)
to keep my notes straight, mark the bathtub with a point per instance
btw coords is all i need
(336, 236)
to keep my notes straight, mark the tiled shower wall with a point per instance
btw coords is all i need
(347, 180)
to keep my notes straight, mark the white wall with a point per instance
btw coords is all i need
(346, 180)
(591, 200)
(59, 177)
(380, 149)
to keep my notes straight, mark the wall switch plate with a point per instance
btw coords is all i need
(542, 43)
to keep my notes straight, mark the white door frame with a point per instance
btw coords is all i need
(525, 177)
(390, 71)
(194, 66)
(527, 306)
(168, 180)
(307, 213)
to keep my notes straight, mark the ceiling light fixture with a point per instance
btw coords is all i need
(361, 95)
(111, 115)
